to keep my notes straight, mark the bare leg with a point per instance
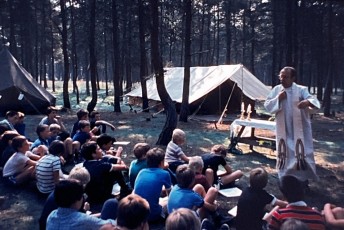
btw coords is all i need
(27, 174)
(209, 174)
(226, 179)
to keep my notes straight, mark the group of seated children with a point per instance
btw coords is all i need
(160, 183)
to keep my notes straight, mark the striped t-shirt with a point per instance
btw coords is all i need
(45, 169)
(309, 216)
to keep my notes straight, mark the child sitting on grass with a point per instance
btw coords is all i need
(196, 164)
(19, 168)
(151, 180)
(174, 154)
(188, 195)
(216, 158)
(252, 204)
(140, 151)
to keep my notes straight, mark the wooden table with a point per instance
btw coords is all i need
(244, 132)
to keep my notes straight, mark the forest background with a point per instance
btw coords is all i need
(120, 42)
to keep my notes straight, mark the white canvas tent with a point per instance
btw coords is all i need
(214, 82)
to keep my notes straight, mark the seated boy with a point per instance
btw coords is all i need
(174, 154)
(82, 114)
(140, 151)
(196, 165)
(40, 145)
(71, 147)
(69, 199)
(77, 173)
(187, 195)
(133, 213)
(216, 158)
(19, 168)
(53, 118)
(252, 204)
(105, 143)
(149, 183)
(95, 121)
(293, 191)
(104, 173)
(84, 135)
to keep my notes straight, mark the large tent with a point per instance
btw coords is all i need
(18, 90)
(212, 89)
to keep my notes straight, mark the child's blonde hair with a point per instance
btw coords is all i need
(54, 127)
(219, 149)
(81, 174)
(178, 136)
(196, 163)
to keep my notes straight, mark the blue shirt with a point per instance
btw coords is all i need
(135, 167)
(148, 185)
(68, 218)
(82, 137)
(183, 198)
(38, 142)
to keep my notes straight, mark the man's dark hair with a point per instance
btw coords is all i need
(40, 128)
(81, 113)
(83, 123)
(154, 157)
(56, 148)
(18, 142)
(11, 113)
(132, 206)
(185, 176)
(291, 188)
(104, 139)
(88, 149)
(291, 70)
(67, 192)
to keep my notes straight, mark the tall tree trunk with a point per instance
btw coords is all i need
(171, 114)
(200, 55)
(274, 42)
(74, 55)
(66, 101)
(106, 58)
(52, 59)
(184, 110)
(116, 75)
(228, 31)
(143, 57)
(329, 82)
(93, 60)
(288, 33)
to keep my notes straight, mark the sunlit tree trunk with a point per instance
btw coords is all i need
(170, 110)
(66, 101)
(116, 75)
(143, 57)
(93, 60)
(184, 110)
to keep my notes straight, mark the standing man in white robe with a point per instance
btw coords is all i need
(291, 103)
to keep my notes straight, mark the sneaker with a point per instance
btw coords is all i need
(207, 225)
(224, 227)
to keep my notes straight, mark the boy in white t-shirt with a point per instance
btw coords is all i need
(19, 168)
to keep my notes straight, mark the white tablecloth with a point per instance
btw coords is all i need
(249, 124)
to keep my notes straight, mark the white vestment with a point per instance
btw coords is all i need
(294, 142)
